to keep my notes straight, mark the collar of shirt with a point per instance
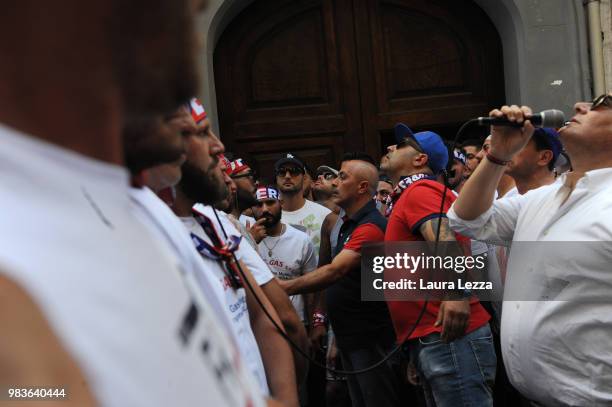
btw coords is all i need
(593, 180)
(361, 213)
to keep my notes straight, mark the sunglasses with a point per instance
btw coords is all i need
(328, 176)
(293, 171)
(409, 142)
(602, 100)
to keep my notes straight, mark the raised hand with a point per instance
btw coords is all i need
(258, 230)
(506, 141)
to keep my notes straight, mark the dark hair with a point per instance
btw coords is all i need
(541, 143)
(473, 142)
(358, 156)
(384, 178)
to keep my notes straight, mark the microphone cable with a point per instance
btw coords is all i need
(294, 345)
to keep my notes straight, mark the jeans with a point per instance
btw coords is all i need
(378, 387)
(456, 374)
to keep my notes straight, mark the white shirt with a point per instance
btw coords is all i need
(493, 272)
(177, 235)
(289, 256)
(511, 193)
(244, 219)
(235, 301)
(111, 292)
(311, 217)
(335, 231)
(556, 352)
(245, 253)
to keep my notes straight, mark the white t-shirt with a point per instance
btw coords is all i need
(235, 301)
(111, 292)
(512, 192)
(245, 253)
(244, 219)
(311, 217)
(479, 248)
(177, 235)
(289, 255)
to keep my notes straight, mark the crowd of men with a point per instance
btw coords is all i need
(141, 264)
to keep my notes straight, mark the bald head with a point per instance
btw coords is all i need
(364, 171)
(356, 184)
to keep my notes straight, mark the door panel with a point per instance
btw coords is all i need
(434, 65)
(321, 77)
(283, 83)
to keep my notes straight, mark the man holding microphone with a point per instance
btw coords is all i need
(556, 349)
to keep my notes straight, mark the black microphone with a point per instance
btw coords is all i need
(547, 118)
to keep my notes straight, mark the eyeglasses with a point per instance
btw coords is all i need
(250, 174)
(602, 100)
(328, 176)
(409, 142)
(293, 171)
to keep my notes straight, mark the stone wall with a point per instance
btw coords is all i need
(606, 28)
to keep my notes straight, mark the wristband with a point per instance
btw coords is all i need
(496, 160)
(318, 319)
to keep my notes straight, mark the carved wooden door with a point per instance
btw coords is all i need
(321, 77)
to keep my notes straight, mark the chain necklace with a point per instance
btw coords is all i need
(275, 244)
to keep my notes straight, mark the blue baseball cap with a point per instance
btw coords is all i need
(551, 138)
(431, 144)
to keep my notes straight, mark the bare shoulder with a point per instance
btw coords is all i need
(30, 353)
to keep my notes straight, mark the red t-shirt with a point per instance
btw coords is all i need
(419, 203)
(367, 232)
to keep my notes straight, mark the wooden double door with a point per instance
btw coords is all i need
(322, 77)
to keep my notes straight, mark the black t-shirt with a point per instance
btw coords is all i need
(358, 323)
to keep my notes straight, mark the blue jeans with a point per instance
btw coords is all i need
(456, 374)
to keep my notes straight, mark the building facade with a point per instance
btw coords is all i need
(319, 77)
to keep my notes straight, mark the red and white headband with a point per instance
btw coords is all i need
(197, 110)
(265, 193)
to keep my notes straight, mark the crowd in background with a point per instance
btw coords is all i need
(142, 264)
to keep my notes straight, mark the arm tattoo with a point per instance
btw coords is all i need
(429, 230)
